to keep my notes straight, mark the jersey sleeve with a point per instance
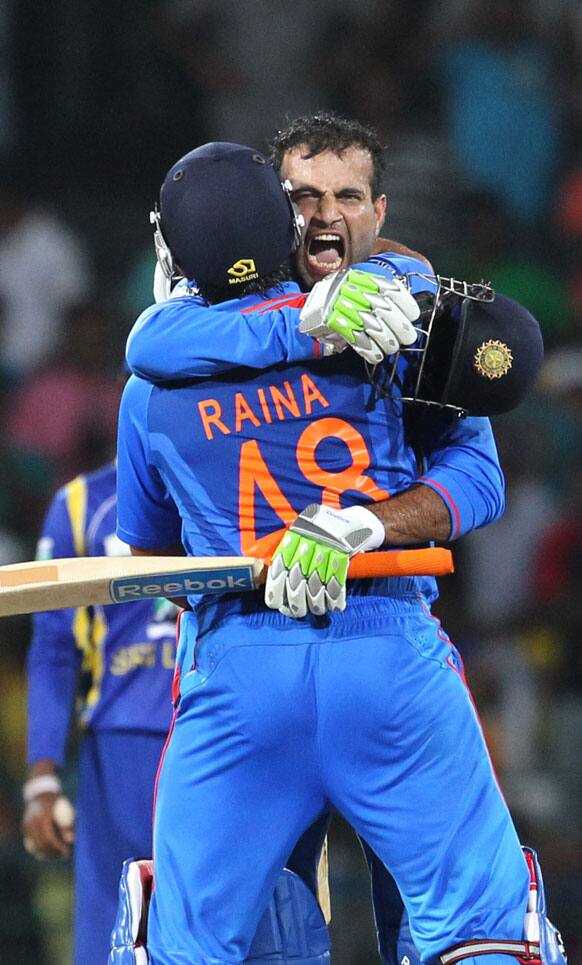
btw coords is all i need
(53, 657)
(419, 276)
(185, 337)
(460, 462)
(147, 516)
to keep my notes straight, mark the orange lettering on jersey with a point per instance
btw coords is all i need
(242, 411)
(253, 472)
(311, 394)
(335, 483)
(264, 407)
(281, 400)
(210, 413)
(264, 547)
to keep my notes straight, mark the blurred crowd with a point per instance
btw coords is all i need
(479, 104)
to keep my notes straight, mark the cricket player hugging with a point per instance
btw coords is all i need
(245, 435)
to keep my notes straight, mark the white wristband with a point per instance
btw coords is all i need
(359, 514)
(43, 784)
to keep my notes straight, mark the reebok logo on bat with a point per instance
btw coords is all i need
(180, 584)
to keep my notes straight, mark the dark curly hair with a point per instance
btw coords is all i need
(327, 131)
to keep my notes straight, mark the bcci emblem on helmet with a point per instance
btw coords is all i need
(493, 359)
(479, 352)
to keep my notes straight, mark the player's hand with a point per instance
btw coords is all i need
(48, 826)
(309, 567)
(371, 313)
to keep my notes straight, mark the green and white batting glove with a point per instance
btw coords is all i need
(371, 313)
(309, 567)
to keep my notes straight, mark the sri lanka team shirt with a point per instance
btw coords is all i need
(115, 661)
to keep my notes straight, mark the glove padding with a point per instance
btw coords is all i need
(371, 313)
(309, 567)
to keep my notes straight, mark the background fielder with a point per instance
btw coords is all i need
(118, 662)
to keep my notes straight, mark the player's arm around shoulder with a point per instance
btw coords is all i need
(460, 489)
(186, 337)
(370, 311)
(162, 332)
(461, 464)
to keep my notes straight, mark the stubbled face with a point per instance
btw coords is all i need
(334, 196)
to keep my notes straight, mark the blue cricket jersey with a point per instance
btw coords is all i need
(252, 331)
(120, 657)
(247, 435)
(239, 428)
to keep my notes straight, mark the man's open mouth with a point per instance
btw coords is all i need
(325, 252)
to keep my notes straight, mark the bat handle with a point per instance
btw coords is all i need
(434, 561)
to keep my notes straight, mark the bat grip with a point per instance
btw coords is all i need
(431, 561)
(434, 561)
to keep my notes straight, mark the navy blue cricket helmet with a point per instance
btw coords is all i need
(479, 352)
(496, 358)
(224, 218)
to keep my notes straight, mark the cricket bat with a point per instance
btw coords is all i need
(84, 581)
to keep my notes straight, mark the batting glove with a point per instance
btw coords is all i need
(309, 567)
(372, 313)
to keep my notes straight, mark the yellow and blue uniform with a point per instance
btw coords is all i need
(120, 659)
(278, 720)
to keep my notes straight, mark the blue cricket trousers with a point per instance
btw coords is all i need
(114, 821)
(364, 711)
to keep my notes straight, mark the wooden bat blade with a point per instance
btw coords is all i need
(101, 580)
(86, 581)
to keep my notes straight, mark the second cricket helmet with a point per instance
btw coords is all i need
(477, 352)
(224, 216)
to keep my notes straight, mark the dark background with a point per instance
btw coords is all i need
(479, 105)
